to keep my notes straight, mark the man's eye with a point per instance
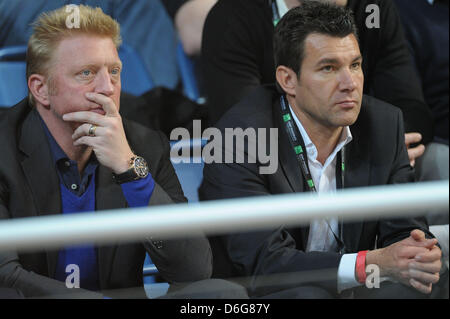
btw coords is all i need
(327, 68)
(115, 71)
(356, 65)
(86, 73)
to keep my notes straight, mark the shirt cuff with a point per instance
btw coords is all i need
(346, 273)
(138, 192)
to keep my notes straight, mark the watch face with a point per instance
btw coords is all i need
(141, 167)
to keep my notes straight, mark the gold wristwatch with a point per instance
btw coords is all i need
(138, 169)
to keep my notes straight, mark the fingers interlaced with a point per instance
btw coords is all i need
(411, 138)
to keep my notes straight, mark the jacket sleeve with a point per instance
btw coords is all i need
(182, 259)
(394, 230)
(30, 284)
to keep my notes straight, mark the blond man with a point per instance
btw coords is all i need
(67, 150)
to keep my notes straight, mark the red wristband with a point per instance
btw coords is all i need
(361, 266)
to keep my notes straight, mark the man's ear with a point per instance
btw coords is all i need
(287, 79)
(39, 88)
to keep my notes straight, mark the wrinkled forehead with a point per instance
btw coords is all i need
(342, 3)
(321, 46)
(84, 49)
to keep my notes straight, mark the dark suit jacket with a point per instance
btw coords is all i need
(237, 52)
(29, 187)
(376, 156)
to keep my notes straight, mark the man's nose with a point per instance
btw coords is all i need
(104, 84)
(347, 80)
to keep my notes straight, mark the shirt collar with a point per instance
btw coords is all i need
(311, 150)
(56, 151)
(282, 8)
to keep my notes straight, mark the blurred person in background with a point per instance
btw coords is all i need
(426, 28)
(189, 18)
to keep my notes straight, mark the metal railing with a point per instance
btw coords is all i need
(222, 216)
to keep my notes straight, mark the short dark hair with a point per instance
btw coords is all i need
(299, 22)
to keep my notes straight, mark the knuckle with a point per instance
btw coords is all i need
(435, 279)
(404, 275)
(114, 124)
(426, 291)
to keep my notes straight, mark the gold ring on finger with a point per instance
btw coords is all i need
(92, 130)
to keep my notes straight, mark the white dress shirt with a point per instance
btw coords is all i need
(321, 238)
(282, 8)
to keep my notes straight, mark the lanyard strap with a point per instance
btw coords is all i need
(275, 13)
(298, 145)
(299, 148)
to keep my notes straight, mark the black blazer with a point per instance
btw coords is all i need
(376, 156)
(29, 186)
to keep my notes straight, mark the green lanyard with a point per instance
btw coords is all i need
(299, 148)
(275, 14)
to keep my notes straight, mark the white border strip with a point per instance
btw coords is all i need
(218, 217)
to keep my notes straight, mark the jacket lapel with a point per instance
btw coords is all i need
(40, 173)
(289, 164)
(108, 196)
(357, 174)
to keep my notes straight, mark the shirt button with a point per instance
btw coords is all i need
(74, 186)
(67, 163)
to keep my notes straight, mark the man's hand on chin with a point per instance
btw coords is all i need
(104, 133)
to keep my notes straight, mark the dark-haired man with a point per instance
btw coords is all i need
(321, 116)
(237, 54)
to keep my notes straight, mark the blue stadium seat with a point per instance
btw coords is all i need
(190, 174)
(135, 78)
(187, 74)
(13, 53)
(13, 83)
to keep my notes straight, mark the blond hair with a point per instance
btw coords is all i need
(54, 26)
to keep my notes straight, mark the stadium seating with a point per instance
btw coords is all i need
(13, 82)
(187, 73)
(135, 79)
